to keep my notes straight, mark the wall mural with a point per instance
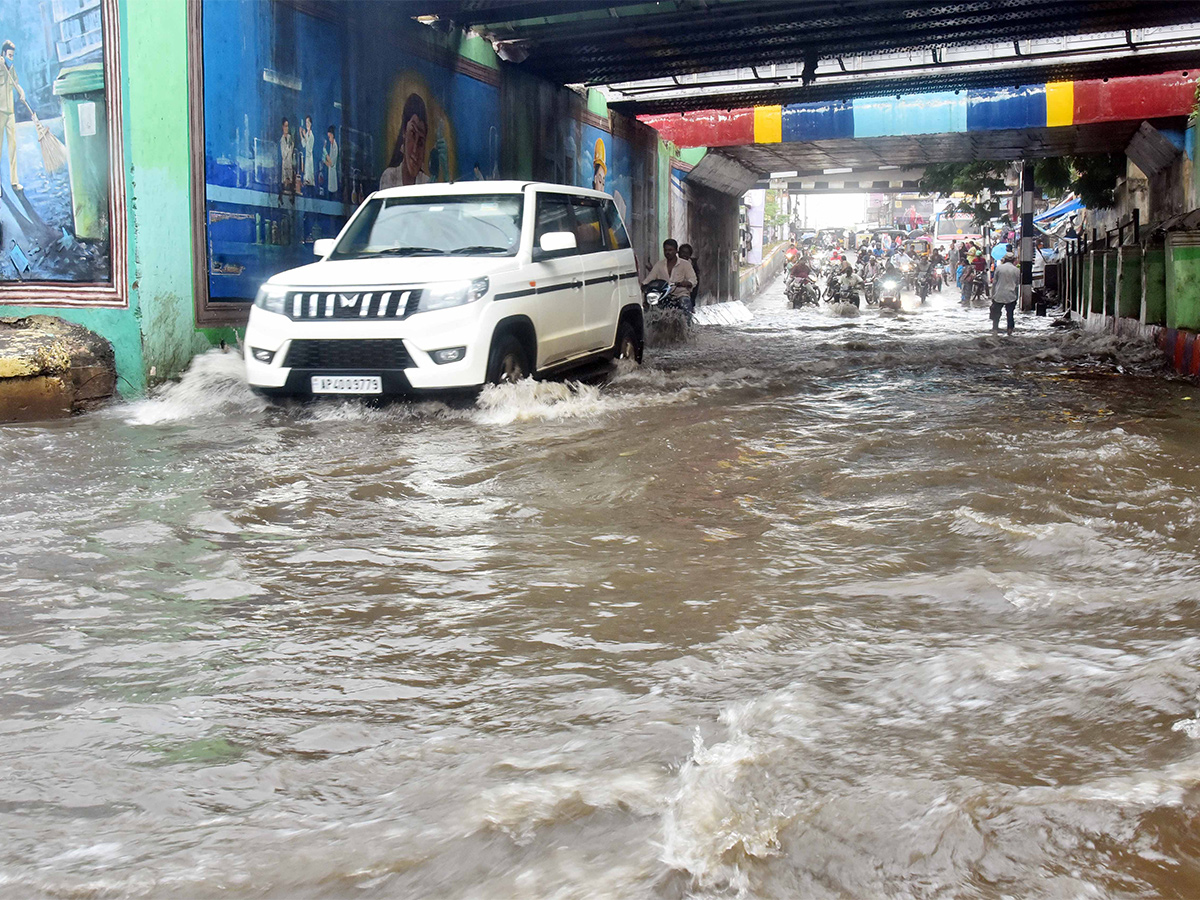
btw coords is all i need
(54, 142)
(303, 120)
(604, 165)
(275, 143)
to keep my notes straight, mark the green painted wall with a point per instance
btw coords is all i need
(1129, 285)
(1096, 266)
(597, 104)
(1154, 270)
(160, 228)
(1110, 283)
(1183, 286)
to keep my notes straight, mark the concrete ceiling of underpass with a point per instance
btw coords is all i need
(812, 157)
(602, 42)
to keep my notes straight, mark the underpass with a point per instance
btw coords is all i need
(827, 603)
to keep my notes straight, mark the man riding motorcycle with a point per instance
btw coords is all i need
(798, 288)
(676, 272)
(848, 285)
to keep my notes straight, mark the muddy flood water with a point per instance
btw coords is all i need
(814, 607)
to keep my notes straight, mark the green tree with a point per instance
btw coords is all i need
(1093, 178)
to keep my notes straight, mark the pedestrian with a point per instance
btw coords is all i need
(686, 252)
(1006, 287)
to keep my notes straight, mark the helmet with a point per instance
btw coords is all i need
(598, 154)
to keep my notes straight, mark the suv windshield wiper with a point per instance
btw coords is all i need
(464, 251)
(400, 251)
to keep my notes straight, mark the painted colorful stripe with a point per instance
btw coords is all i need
(1052, 105)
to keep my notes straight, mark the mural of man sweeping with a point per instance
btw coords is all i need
(8, 114)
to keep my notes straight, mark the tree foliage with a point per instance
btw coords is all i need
(1093, 179)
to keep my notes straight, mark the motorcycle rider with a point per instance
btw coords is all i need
(849, 284)
(678, 272)
(798, 277)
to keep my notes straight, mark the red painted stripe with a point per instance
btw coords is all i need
(1140, 97)
(1194, 367)
(1180, 346)
(710, 128)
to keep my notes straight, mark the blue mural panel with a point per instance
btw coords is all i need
(937, 113)
(304, 119)
(55, 161)
(605, 164)
(1005, 108)
(818, 121)
(274, 130)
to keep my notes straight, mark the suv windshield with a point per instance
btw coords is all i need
(460, 225)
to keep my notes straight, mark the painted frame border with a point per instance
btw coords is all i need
(114, 293)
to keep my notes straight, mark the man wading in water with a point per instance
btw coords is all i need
(1006, 284)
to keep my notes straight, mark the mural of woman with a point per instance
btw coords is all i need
(407, 165)
(306, 144)
(330, 161)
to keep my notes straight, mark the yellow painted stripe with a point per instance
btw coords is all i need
(1060, 103)
(768, 124)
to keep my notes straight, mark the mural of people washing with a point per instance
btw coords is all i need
(54, 143)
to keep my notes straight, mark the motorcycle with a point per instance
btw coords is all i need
(801, 292)
(659, 295)
(924, 282)
(889, 292)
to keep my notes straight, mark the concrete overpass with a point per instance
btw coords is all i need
(909, 130)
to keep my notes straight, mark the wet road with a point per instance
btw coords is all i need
(818, 607)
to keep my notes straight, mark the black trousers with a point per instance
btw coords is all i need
(1007, 307)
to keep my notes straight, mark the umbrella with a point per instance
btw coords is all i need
(924, 237)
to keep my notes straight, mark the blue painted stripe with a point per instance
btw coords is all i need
(939, 113)
(818, 121)
(1000, 108)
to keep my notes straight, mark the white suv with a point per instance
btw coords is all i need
(441, 286)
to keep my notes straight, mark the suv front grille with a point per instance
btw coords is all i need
(347, 354)
(394, 304)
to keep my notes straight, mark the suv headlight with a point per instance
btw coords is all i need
(451, 293)
(272, 298)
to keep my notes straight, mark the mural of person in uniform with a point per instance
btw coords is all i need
(407, 165)
(287, 159)
(8, 112)
(599, 166)
(330, 160)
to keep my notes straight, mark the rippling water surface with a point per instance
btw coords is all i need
(819, 607)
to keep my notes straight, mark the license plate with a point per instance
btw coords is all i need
(347, 384)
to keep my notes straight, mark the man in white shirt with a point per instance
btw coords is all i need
(678, 272)
(1006, 288)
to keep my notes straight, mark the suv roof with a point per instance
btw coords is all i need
(438, 189)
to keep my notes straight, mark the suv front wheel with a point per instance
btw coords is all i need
(628, 346)
(507, 363)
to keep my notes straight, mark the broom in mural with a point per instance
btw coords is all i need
(54, 154)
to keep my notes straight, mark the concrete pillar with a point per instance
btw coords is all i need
(1026, 235)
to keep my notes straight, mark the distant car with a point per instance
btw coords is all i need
(448, 287)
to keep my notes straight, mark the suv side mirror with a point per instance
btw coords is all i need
(557, 242)
(323, 247)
